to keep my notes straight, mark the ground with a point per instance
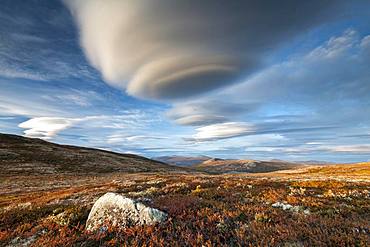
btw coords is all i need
(277, 209)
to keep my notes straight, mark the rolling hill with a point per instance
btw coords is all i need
(184, 161)
(23, 156)
(219, 166)
(354, 171)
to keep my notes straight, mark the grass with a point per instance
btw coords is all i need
(204, 210)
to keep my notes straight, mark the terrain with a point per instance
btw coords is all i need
(29, 156)
(220, 166)
(305, 206)
(227, 166)
(184, 161)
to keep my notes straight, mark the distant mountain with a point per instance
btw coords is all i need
(219, 166)
(22, 156)
(184, 161)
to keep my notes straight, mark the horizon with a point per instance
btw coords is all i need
(236, 81)
(185, 155)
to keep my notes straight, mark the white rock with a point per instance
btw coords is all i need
(286, 206)
(282, 205)
(121, 211)
(307, 212)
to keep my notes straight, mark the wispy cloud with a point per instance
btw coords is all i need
(129, 121)
(208, 111)
(46, 127)
(76, 97)
(221, 131)
(39, 49)
(131, 139)
(358, 149)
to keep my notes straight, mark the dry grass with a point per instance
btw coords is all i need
(234, 210)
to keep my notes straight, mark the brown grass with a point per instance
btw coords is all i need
(203, 211)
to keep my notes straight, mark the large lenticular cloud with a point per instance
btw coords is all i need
(165, 49)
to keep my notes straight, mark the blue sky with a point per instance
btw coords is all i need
(252, 79)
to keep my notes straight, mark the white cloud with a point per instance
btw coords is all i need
(327, 86)
(147, 63)
(315, 148)
(75, 97)
(222, 131)
(11, 106)
(207, 111)
(133, 152)
(122, 138)
(359, 148)
(335, 46)
(18, 72)
(166, 50)
(47, 127)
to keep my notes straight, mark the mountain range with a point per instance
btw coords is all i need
(31, 156)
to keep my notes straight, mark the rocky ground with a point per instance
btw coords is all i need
(277, 209)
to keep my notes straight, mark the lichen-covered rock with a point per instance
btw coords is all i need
(284, 206)
(289, 207)
(119, 211)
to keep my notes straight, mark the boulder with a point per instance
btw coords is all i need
(119, 211)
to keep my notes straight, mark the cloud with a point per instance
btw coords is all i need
(133, 120)
(207, 111)
(200, 120)
(82, 98)
(303, 93)
(11, 71)
(166, 50)
(121, 138)
(221, 131)
(310, 78)
(39, 98)
(355, 149)
(46, 127)
(12, 107)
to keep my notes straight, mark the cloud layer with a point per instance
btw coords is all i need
(325, 86)
(161, 49)
(46, 127)
(221, 131)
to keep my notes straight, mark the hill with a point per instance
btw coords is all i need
(241, 166)
(24, 156)
(359, 171)
(184, 161)
(353, 172)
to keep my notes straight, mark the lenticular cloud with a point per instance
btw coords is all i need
(164, 49)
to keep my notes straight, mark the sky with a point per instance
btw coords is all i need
(231, 79)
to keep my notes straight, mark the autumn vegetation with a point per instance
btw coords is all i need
(204, 210)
